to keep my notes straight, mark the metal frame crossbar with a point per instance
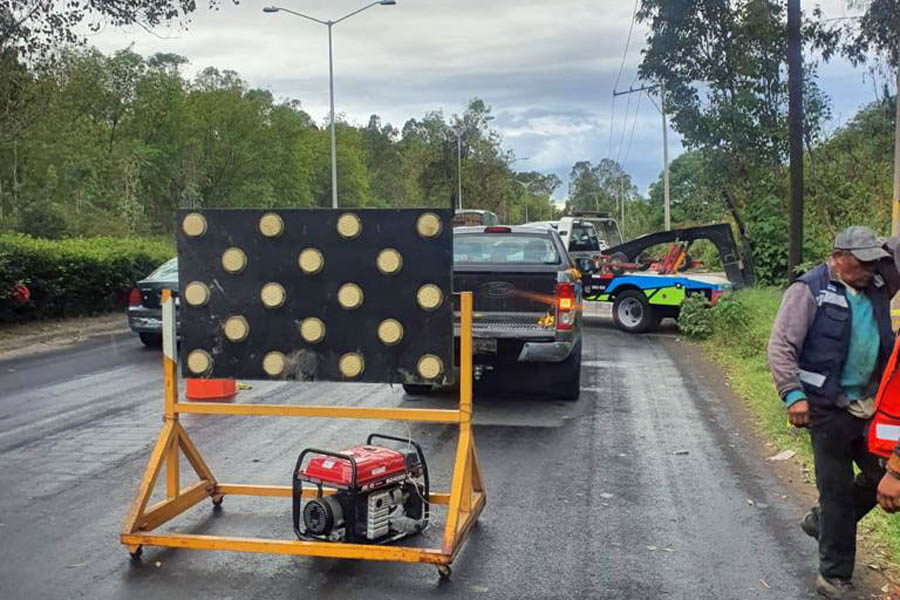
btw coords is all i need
(464, 502)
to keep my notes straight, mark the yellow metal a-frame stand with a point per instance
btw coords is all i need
(464, 502)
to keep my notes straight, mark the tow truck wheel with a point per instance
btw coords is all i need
(632, 312)
(416, 389)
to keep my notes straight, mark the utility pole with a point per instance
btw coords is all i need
(665, 136)
(895, 207)
(795, 136)
(662, 109)
(622, 203)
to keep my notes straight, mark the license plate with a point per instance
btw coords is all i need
(485, 346)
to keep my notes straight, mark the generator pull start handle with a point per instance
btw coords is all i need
(297, 483)
(421, 454)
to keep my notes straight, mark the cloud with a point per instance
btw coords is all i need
(546, 68)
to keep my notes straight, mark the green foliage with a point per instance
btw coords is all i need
(110, 145)
(37, 29)
(875, 34)
(728, 317)
(695, 318)
(76, 276)
(599, 187)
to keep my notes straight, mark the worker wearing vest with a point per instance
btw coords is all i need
(886, 416)
(829, 344)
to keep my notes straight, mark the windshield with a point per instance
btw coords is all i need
(167, 270)
(583, 238)
(469, 218)
(608, 232)
(499, 248)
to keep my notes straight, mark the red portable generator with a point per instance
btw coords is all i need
(378, 494)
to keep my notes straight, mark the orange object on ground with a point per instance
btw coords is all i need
(210, 389)
(884, 428)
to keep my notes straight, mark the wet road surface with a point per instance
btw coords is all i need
(638, 490)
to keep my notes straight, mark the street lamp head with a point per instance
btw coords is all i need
(387, 2)
(271, 9)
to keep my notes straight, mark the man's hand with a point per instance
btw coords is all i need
(889, 493)
(798, 413)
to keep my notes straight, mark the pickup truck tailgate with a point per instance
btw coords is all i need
(498, 292)
(509, 305)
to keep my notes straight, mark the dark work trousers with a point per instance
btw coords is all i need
(838, 440)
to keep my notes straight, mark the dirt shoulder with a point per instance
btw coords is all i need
(43, 336)
(873, 573)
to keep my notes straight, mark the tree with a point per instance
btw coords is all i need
(599, 187)
(723, 65)
(38, 28)
(875, 34)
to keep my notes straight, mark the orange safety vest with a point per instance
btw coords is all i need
(884, 428)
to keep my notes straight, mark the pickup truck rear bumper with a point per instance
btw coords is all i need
(539, 344)
(545, 352)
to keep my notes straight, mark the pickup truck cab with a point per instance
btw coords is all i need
(527, 292)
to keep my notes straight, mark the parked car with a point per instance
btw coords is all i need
(527, 296)
(144, 309)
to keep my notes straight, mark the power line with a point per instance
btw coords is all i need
(612, 112)
(627, 43)
(633, 125)
(624, 130)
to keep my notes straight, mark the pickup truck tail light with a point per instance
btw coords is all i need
(714, 296)
(565, 306)
(134, 297)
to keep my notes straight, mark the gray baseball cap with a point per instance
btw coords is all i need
(861, 242)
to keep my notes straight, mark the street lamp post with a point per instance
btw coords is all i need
(458, 131)
(331, 23)
(525, 185)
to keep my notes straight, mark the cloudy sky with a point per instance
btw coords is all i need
(546, 68)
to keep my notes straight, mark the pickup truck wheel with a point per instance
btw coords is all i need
(632, 312)
(569, 387)
(151, 340)
(417, 389)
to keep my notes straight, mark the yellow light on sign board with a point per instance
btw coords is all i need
(271, 225)
(274, 363)
(272, 295)
(312, 330)
(351, 365)
(199, 362)
(194, 225)
(429, 296)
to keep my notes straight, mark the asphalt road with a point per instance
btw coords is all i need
(638, 490)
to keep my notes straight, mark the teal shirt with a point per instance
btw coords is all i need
(863, 352)
(862, 355)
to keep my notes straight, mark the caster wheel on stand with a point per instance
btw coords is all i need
(444, 571)
(217, 501)
(136, 555)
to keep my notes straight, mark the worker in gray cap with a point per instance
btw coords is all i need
(829, 345)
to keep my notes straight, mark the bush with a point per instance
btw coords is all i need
(695, 318)
(77, 276)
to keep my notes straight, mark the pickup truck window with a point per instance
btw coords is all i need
(493, 248)
(583, 238)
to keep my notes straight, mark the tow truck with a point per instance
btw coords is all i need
(644, 289)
